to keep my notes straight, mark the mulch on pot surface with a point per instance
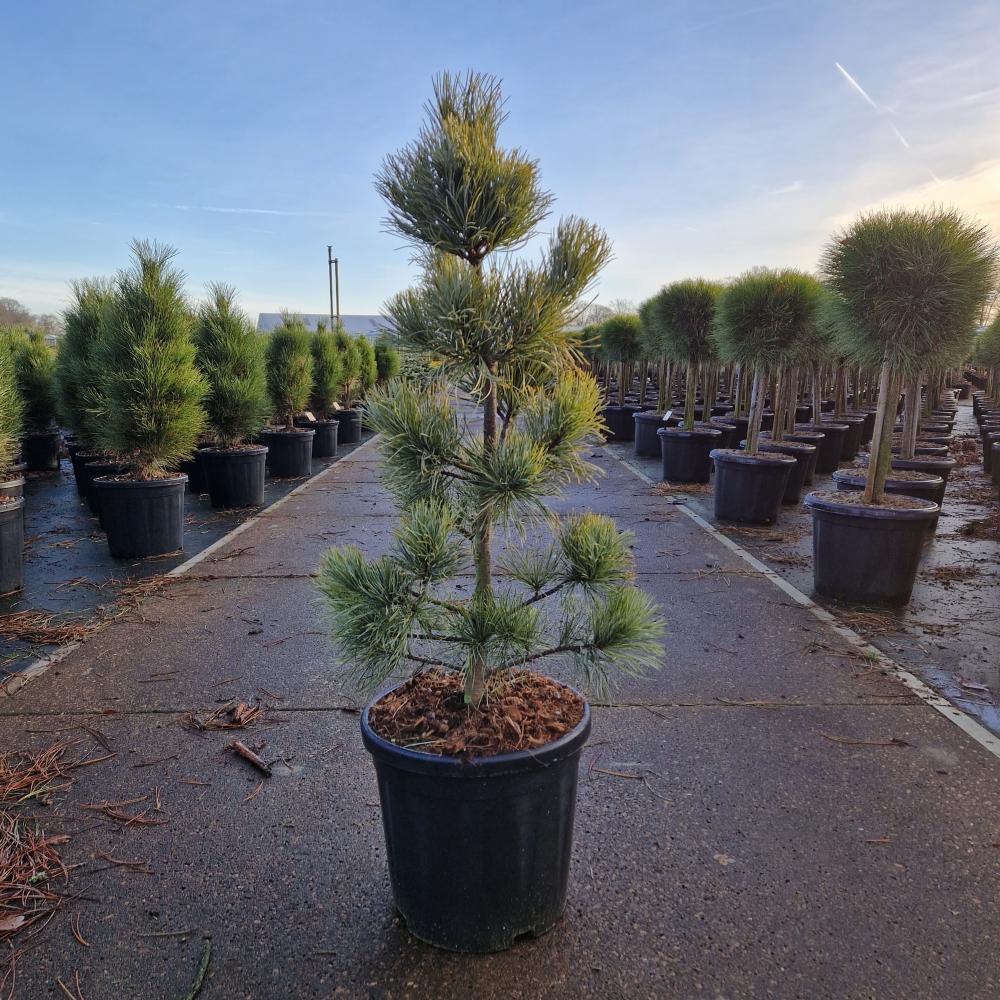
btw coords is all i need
(520, 712)
(891, 501)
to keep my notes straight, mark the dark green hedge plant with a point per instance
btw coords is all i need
(328, 373)
(289, 369)
(34, 361)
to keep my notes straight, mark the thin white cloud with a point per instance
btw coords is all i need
(857, 86)
(797, 186)
(253, 211)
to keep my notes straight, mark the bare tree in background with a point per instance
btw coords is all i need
(12, 313)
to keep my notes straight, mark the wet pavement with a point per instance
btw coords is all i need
(782, 817)
(947, 634)
(68, 571)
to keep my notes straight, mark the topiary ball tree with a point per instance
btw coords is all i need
(459, 197)
(150, 412)
(986, 354)
(77, 380)
(912, 284)
(684, 314)
(289, 369)
(621, 342)
(328, 373)
(11, 409)
(34, 361)
(759, 318)
(232, 362)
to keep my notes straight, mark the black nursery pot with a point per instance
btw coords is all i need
(808, 437)
(141, 518)
(852, 437)
(234, 478)
(728, 429)
(11, 545)
(41, 451)
(478, 850)
(80, 459)
(830, 448)
(619, 419)
(868, 554)
(289, 453)
(928, 487)
(804, 455)
(349, 427)
(195, 472)
(13, 487)
(647, 423)
(325, 441)
(686, 454)
(93, 469)
(749, 488)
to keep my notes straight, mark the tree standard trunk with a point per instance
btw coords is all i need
(911, 417)
(690, 390)
(817, 414)
(881, 450)
(621, 383)
(756, 408)
(780, 394)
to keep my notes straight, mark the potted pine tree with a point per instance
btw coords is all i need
(387, 362)
(652, 346)
(149, 414)
(351, 387)
(476, 754)
(621, 344)
(230, 358)
(77, 381)
(685, 314)
(33, 364)
(759, 318)
(911, 284)
(289, 382)
(11, 493)
(327, 379)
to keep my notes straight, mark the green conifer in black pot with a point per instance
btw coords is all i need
(11, 492)
(355, 371)
(476, 755)
(289, 382)
(34, 361)
(77, 379)
(684, 312)
(231, 359)
(912, 285)
(328, 374)
(621, 345)
(149, 414)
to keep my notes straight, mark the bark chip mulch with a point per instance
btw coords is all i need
(522, 711)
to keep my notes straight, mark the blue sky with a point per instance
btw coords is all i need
(705, 137)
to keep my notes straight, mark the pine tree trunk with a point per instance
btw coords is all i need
(780, 392)
(756, 408)
(689, 394)
(911, 417)
(816, 400)
(881, 451)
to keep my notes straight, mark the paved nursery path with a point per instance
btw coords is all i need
(786, 818)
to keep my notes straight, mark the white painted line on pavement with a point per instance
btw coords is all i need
(966, 723)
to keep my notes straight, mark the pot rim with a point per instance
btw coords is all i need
(739, 458)
(478, 767)
(14, 503)
(712, 432)
(252, 452)
(287, 432)
(104, 482)
(796, 446)
(930, 478)
(927, 512)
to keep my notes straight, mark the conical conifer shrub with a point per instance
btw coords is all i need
(327, 373)
(33, 364)
(289, 369)
(11, 409)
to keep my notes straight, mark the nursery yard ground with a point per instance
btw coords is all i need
(772, 814)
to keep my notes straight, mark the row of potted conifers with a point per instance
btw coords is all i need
(987, 413)
(151, 521)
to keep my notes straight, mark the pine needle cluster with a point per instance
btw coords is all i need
(149, 413)
(11, 408)
(500, 331)
(34, 361)
(230, 358)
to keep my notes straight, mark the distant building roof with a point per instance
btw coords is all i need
(371, 326)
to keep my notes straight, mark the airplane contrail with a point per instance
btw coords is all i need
(857, 86)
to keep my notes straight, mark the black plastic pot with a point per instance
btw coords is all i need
(749, 489)
(325, 441)
(995, 465)
(989, 440)
(41, 451)
(685, 454)
(104, 467)
(619, 419)
(830, 448)
(142, 518)
(195, 472)
(803, 413)
(808, 437)
(929, 487)
(867, 554)
(234, 478)
(852, 439)
(11, 545)
(728, 429)
(289, 452)
(647, 423)
(938, 466)
(804, 455)
(80, 459)
(742, 424)
(869, 431)
(348, 427)
(479, 850)
(934, 450)
(12, 487)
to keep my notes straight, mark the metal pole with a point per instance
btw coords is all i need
(329, 267)
(336, 273)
